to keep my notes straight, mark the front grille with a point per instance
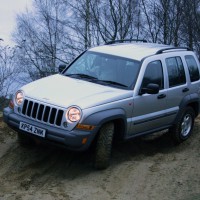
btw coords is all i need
(42, 112)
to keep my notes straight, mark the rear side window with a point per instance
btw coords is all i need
(192, 67)
(153, 74)
(176, 71)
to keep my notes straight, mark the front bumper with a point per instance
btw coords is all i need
(69, 139)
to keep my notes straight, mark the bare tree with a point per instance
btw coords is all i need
(8, 72)
(115, 19)
(39, 37)
(190, 25)
(172, 22)
(79, 25)
(59, 30)
(152, 23)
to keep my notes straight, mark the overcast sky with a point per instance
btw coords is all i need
(8, 11)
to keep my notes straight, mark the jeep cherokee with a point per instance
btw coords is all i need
(119, 89)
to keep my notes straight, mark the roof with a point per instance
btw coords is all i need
(136, 51)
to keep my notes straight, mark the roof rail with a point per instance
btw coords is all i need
(126, 40)
(171, 49)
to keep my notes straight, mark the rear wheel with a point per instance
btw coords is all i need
(104, 146)
(182, 130)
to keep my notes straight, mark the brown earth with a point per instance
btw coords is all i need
(142, 169)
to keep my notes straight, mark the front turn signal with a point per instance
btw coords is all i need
(85, 127)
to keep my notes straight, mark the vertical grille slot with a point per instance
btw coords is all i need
(59, 117)
(52, 116)
(46, 114)
(42, 112)
(35, 109)
(30, 106)
(25, 106)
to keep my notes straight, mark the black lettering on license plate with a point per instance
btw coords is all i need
(32, 129)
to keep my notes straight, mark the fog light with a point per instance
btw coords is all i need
(19, 110)
(65, 124)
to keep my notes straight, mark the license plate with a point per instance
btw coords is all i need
(32, 129)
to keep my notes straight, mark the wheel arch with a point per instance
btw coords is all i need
(190, 101)
(117, 116)
(195, 107)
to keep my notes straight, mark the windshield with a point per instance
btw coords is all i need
(105, 69)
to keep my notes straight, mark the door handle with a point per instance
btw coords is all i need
(161, 96)
(185, 90)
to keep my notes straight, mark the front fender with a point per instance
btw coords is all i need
(100, 118)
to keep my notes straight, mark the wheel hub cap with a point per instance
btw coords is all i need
(186, 125)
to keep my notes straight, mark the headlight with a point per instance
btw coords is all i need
(73, 114)
(19, 97)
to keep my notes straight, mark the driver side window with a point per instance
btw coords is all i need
(153, 74)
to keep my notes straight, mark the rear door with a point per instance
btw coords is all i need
(192, 63)
(177, 85)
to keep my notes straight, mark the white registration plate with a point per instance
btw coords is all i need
(32, 129)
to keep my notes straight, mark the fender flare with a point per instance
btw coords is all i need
(189, 99)
(101, 117)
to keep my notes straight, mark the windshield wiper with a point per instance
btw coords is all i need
(113, 83)
(82, 76)
(95, 79)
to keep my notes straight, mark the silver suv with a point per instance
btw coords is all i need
(120, 90)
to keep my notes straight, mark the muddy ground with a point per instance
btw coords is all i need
(141, 169)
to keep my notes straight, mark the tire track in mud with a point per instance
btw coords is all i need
(155, 166)
(145, 168)
(22, 168)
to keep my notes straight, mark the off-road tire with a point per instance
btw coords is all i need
(104, 146)
(182, 130)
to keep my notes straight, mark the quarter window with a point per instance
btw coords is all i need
(176, 71)
(192, 67)
(153, 74)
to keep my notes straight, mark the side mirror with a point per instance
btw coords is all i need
(61, 68)
(150, 89)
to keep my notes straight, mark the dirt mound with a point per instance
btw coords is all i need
(142, 169)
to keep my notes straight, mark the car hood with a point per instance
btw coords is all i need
(65, 91)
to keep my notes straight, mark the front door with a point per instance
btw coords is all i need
(149, 109)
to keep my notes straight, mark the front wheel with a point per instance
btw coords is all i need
(104, 146)
(182, 130)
